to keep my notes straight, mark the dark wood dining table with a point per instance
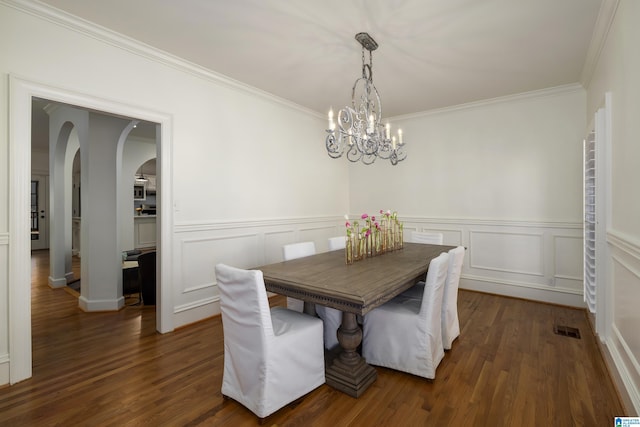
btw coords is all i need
(355, 289)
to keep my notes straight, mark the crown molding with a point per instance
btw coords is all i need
(541, 93)
(604, 21)
(136, 47)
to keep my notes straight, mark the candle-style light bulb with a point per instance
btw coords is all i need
(332, 125)
(400, 137)
(388, 130)
(393, 142)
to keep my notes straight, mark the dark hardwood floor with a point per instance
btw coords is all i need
(507, 368)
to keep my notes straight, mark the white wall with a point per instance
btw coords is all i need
(236, 154)
(502, 177)
(618, 72)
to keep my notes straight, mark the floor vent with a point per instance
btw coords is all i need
(567, 331)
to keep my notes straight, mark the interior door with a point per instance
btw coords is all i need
(39, 212)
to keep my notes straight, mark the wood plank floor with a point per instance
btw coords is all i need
(508, 368)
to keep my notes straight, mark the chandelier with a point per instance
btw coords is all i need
(360, 131)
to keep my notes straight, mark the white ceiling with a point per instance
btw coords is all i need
(432, 53)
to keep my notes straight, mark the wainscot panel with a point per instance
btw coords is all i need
(243, 244)
(568, 261)
(525, 259)
(510, 252)
(198, 255)
(624, 341)
(533, 260)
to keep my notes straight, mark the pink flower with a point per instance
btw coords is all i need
(365, 216)
(381, 211)
(347, 224)
(368, 233)
(373, 218)
(377, 225)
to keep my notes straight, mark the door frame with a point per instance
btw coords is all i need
(21, 92)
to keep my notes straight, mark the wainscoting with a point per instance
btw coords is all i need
(533, 260)
(540, 261)
(623, 341)
(4, 339)
(244, 244)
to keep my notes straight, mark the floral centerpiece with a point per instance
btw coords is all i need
(374, 238)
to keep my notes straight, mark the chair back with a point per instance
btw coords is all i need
(426, 238)
(431, 306)
(147, 271)
(246, 316)
(298, 250)
(450, 323)
(456, 257)
(339, 242)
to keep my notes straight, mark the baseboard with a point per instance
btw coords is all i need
(100, 305)
(625, 372)
(195, 312)
(57, 283)
(4, 369)
(522, 290)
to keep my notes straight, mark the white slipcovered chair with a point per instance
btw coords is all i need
(338, 242)
(405, 334)
(271, 356)
(293, 251)
(426, 238)
(331, 317)
(450, 322)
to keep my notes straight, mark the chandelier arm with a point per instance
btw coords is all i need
(360, 131)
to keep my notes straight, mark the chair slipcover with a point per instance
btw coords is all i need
(405, 333)
(331, 317)
(332, 320)
(450, 322)
(339, 242)
(293, 251)
(427, 238)
(271, 356)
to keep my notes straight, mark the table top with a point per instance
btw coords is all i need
(357, 288)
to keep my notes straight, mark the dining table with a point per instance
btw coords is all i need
(355, 289)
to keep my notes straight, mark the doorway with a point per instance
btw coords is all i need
(23, 92)
(39, 196)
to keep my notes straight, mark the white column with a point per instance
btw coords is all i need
(67, 125)
(101, 262)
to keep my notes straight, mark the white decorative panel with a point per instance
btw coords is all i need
(449, 236)
(273, 243)
(319, 235)
(508, 252)
(568, 257)
(626, 316)
(199, 257)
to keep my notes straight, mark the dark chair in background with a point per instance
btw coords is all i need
(131, 255)
(131, 282)
(147, 271)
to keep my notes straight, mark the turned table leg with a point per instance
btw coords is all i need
(349, 372)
